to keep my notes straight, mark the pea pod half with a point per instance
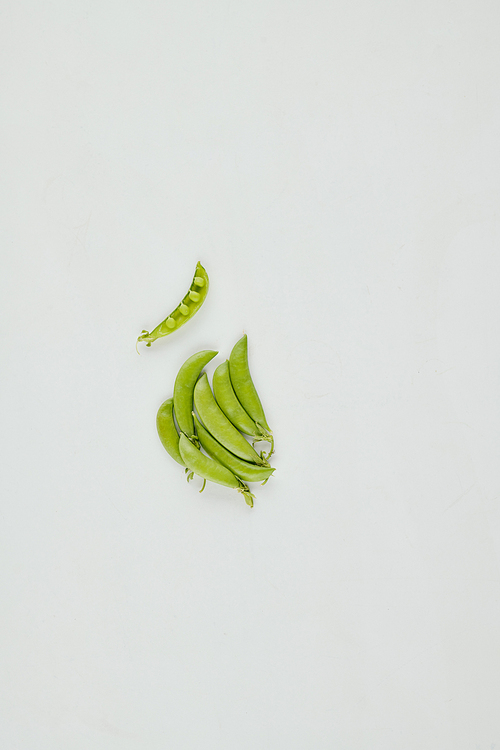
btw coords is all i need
(184, 311)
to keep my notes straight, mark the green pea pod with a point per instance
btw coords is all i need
(184, 311)
(184, 387)
(219, 426)
(207, 468)
(228, 402)
(167, 430)
(226, 398)
(242, 469)
(243, 384)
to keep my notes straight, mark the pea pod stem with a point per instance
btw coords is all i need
(267, 439)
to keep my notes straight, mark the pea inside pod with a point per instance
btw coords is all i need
(189, 306)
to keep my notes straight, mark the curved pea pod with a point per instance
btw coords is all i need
(219, 426)
(242, 469)
(189, 306)
(184, 387)
(226, 398)
(208, 468)
(167, 431)
(243, 384)
(228, 402)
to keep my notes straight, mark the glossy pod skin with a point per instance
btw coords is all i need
(167, 430)
(219, 426)
(243, 385)
(207, 468)
(242, 469)
(184, 311)
(226, 398)
(184, 387)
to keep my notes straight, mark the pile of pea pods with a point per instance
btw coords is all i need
(209, 437)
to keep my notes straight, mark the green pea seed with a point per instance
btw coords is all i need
(170, 322)
(194, 296)
(183, 309)
(199, 281)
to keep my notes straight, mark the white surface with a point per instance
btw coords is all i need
(336, 167)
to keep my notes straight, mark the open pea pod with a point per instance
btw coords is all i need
(189, 306)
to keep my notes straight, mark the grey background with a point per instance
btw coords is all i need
(335, 166)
